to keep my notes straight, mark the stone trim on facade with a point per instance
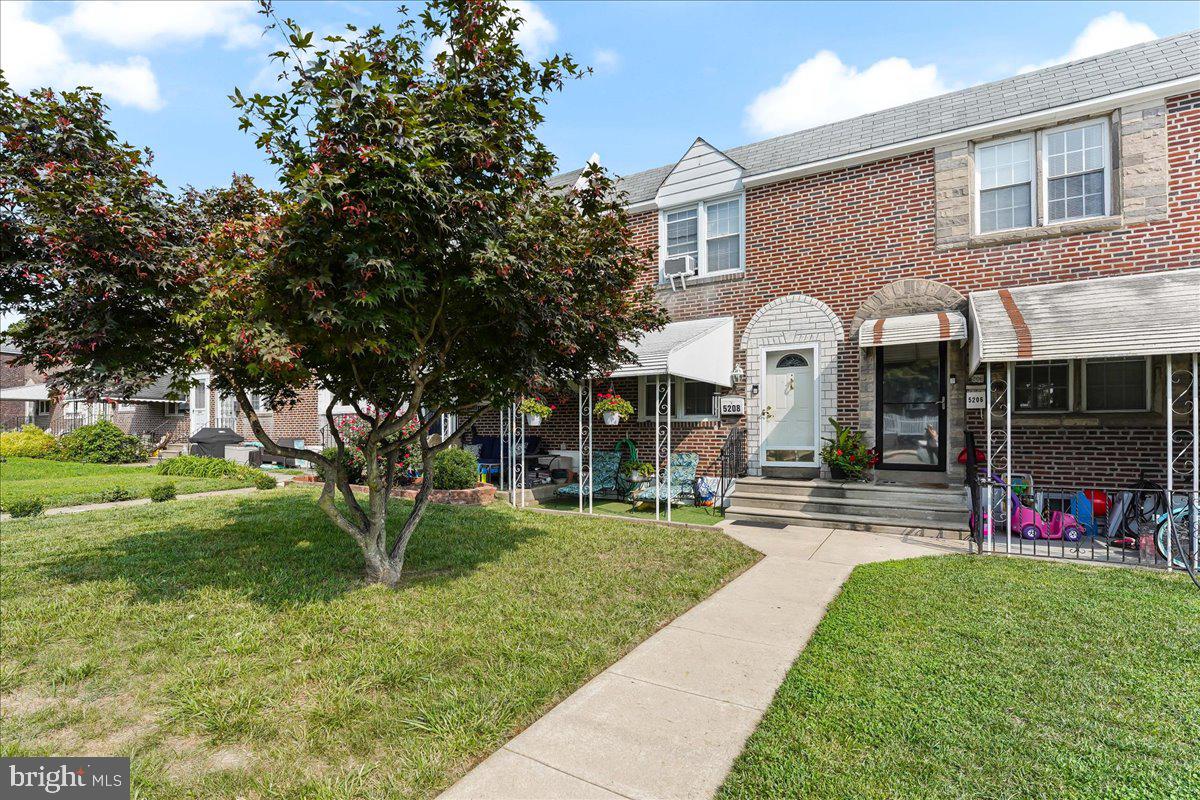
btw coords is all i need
(1141, 182)
(794, 319)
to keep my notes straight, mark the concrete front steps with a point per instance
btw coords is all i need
(170, 451)
(881, 508)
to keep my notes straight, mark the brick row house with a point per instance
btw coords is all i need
(154, 414)
(1042, 231)
(863, 264)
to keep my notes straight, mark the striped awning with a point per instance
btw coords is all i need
(938, 326)
(1131, 315)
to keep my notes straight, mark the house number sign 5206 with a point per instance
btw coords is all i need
(733, 406)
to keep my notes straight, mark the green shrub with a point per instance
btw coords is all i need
(455, 468)
(162, 492)
(26, 507)
(29, 442)
(204, 467)
(353, 462)
(264, 481)
(115, 495)
(100, 443)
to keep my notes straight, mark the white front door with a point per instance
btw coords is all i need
(790, 408)
(198, 402)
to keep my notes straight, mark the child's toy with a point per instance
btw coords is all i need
(1028, 524)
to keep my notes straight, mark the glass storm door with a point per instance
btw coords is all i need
(789, 412)
(911, 418)
(199, 403)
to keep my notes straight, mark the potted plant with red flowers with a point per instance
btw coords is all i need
(847, 454)
(535, 410)
(612, 407)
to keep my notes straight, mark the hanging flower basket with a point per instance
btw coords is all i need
(535, 411)
(612, 407)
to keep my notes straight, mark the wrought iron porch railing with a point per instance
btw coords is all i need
(732, 462)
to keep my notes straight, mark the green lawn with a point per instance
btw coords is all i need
(230, 647)
(962, 677)
(692, 514)
(67, 483)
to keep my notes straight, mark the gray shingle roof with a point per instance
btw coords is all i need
(1109, 73)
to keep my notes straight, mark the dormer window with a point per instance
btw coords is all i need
(709, 231)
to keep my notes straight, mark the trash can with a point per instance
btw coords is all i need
(212, 442)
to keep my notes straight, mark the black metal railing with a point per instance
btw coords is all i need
(1141, 524)
(732, 461)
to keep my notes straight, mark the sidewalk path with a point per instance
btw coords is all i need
(668, 720)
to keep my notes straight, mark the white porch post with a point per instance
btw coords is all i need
(657, 443)
(1195, 515)
(987, 401)
(520, 454)
(1170, 410)
(500, 477)
(1008, 510)
(670, 409)
(591, 475)
(579, 472)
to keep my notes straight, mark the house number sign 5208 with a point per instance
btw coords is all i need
(733, 406)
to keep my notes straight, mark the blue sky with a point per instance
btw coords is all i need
(665, 72)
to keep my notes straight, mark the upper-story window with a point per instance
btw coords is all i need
(1005, 184)
(1067, 179)
(1076, 158)
(709, 231)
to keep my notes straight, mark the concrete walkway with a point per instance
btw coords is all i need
(668, 720)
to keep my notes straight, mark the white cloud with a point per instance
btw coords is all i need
(1111, 31)
(823, 89)
(154, 23)
(33, 55)
(605, 60)
(537, 32)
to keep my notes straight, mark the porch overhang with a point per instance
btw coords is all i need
(30, 391)
(1133, 315)
(698, 349)
(938, 326)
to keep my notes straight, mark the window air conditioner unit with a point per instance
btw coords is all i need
(679, 267)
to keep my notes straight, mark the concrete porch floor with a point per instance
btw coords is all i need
(668, 719)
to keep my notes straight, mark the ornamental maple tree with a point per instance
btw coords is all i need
(414, 260)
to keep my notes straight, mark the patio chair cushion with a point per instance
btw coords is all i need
(604, 475)
(683, 480)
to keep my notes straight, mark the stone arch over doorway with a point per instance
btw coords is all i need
(792, 319)
(900, 298)
(908, 296)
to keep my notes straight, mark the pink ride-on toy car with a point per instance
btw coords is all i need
(1029, 524)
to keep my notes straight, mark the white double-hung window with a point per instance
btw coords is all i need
(1044, 178)
(1076, 167)
(1005, 176)
(710, 231)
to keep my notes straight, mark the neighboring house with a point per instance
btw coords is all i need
(849, 257)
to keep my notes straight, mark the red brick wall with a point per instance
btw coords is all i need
(842, 236)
